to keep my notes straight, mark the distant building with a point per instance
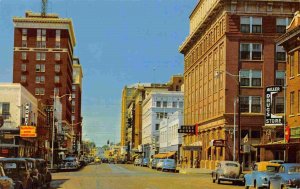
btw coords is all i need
(169, 138)
(157, 106)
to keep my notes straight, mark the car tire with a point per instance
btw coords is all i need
(218, 180)
(214, 180)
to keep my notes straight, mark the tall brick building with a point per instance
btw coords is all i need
(228, 40)
(43, 58)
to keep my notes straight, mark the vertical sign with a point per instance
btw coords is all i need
(27, 113)
(272, 119)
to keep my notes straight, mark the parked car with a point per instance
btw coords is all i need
(159, 164)
(288, 176)
(17, 170)
(97, 160)
(153, 163)
(104, 160)
(227, 171)
(5, 182)
(70, 163)
(260, 175)
(41, 165)
(145, 162)
(277, 161)
(137, 162)
(34, 172)
(169, 165)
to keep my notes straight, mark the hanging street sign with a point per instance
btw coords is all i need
(270, 118)
(28, 131)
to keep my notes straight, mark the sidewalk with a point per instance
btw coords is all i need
(194, 170)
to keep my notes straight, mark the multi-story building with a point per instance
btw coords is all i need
(157, 106)
(232, 43)
(18, 107)
(131, 124)
(43, 58)
(291, 44)
(169, 138)
(76, 104)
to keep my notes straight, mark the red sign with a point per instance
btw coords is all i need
(287, 133)
(4, 151)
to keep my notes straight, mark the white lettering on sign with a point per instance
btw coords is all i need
(27, 113)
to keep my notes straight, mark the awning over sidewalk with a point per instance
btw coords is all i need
(278, 145)
(164, 155)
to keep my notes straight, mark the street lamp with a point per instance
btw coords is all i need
(236, 100)
(53, 123)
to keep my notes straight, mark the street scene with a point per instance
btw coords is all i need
(150, 94)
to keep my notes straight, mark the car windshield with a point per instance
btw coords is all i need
(231, 165)
(169, 160)
(272, 169)
(10, 168)
(294, 169)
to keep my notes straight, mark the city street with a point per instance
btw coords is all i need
(120, 176)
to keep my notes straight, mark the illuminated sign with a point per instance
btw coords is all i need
(272, 119)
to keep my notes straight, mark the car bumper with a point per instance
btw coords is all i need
(231, 179)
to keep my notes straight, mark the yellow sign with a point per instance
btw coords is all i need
(28, 131)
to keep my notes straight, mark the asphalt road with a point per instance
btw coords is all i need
(119, 176)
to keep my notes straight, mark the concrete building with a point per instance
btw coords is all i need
(18, 107)
(131, 124)
(229, 40)
(290, 41)
(76, 104)
(157, 106)
(43, 58)
(169, 138)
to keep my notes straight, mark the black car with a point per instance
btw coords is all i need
(17, 169)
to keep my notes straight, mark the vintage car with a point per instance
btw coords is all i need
(33, 171)
(227, 171)
(137, 161)
(288, 176)
(159, 164)
(70, 163)
(145, 162)
(153, 163)
(16, 168)
(5, 182)
(41, 165)
(169, 165)
(259, 177)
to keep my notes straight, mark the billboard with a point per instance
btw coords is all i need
(28, 131)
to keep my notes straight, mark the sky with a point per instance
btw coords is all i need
(119, 42)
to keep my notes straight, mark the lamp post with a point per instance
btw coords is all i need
(236, 100)
(53, 123)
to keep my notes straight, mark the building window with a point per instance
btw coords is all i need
(156, 127)
(5, 110)
(24, 37)
(251, 24)
(40, 56)
(56, 91)
(251, 51)
(73, 87)
(42, 79)
(24, 32)
(23, 67)
(57, 68)
(57, 44)
(292, 102)
(255, 134)
(37, 79)
(41, 38)
(23, 78)
(73, 109)
(281, 24)
(251, 78)
(280, 53)
(73, 102)
(42, 91)
(279, 105)
(165, 104)
(73, 118)
(158, 104)
(24, 56)
(73, 95)
(174, 104)
(292, 65)
(280, 78)
(37, 91)
(250, 104)
(57, 56)
(24, 43)
(56, 79)
(180, 104)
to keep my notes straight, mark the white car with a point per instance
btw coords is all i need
(70, 163)
(159, 164)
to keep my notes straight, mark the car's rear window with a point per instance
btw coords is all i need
(272, 168)
(295, 169)
(169, 160)
(10, 166)
(231, 165)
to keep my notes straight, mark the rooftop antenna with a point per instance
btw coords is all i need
(44, 7)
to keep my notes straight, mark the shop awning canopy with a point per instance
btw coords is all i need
(164, 155)
(278, 145)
